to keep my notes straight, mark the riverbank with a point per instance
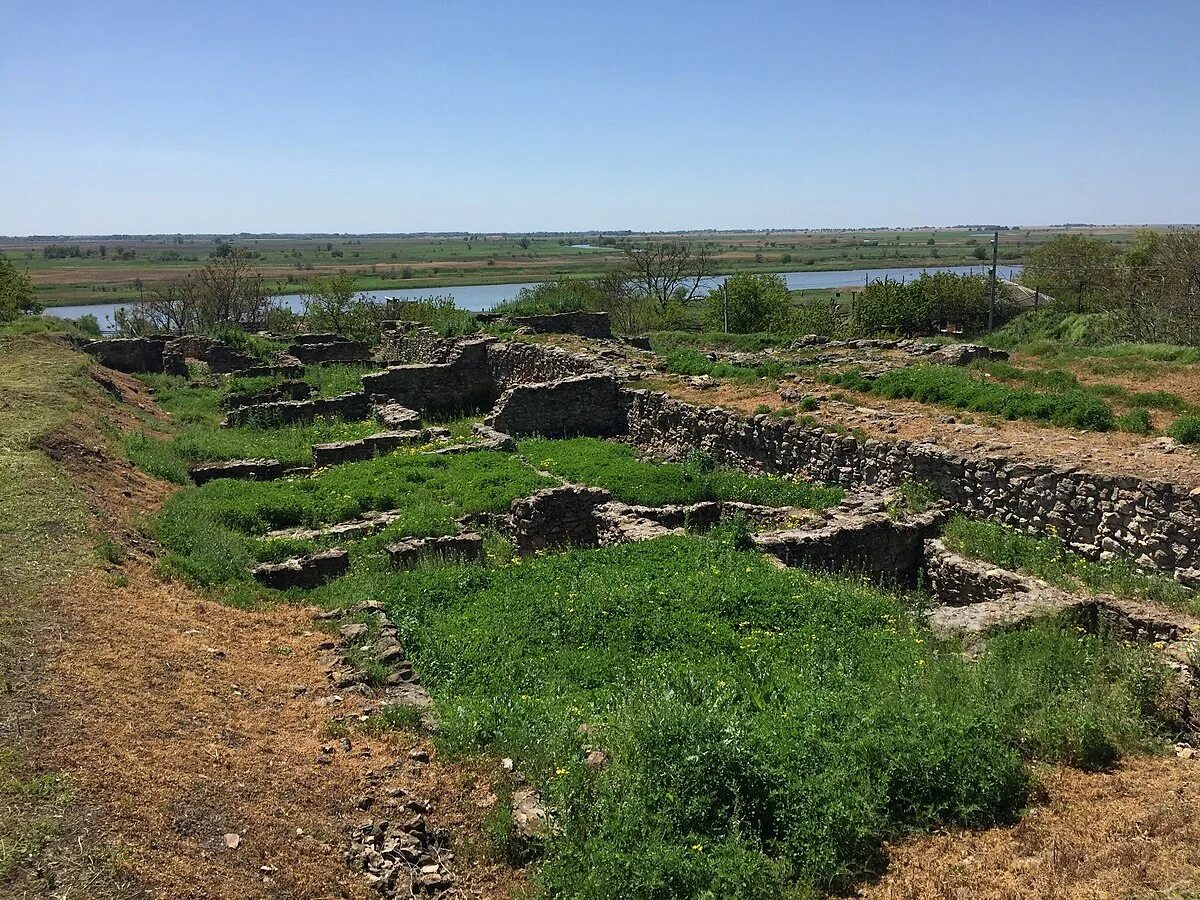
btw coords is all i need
(481, 297)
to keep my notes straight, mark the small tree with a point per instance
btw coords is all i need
(755, 303)
(17, 293)
(329, 303)
(1072, 266)
(667, 272)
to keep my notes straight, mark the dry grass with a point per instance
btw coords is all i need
(1131, 833)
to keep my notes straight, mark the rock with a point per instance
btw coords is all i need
(232, 840)
(241, 469)
(596, 759)
(405, 554)
(395, 417)
(303, 571)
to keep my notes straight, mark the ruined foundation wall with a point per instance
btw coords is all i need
(1154, 523)
(515, 362)
(587, 405)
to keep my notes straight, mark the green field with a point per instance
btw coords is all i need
(131, 263)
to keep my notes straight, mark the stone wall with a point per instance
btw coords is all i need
(334, 351)
(973, 599)
(463, 383)
(556, 517)
(588, 405)
(217, 353)
(411, 342)
(349, 406)
(517, 362)
(1154, 523)
(163, 353)
(860, 538)
(130, 355)
(584, 324)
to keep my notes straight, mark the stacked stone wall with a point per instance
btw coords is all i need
(1155, 523)
(584, 324)
(588, 405)
(411, 342)
(516, 362)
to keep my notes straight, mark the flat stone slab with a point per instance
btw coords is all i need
(380, 444)
(407, 553)
(355, 528)
(395, 417)
(242, 469)
(303, 571)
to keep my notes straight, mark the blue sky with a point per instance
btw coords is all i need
(425, 116)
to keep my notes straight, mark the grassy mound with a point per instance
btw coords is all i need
(617, 469)
(951, 386)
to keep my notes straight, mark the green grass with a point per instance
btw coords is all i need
(951, 386)
(686, 361)
(1186, 429)
(767, 730)
(1136, 421)
(292, 445)
(616, 468)
(1050, 560)
(210, 531)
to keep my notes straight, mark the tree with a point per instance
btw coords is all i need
(667, 271)
(17, 293)
(1155, 294)
(329, 303)
(980, 253)
(1072, 266)
(755, 303)
(227, 293)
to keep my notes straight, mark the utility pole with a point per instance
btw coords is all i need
(992, 282)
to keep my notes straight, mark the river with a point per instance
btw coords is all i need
(479, 297)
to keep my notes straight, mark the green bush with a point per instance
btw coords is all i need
(1159, 400)
(1186, 429)
(955, 387)
(686, 361)
(558, 296)
(617, 469)
(1136, 421)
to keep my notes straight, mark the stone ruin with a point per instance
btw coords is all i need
(158, 354)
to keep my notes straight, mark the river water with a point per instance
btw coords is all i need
(480, 297)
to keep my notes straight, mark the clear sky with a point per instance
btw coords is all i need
(135, 117)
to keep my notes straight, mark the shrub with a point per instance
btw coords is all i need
(1186, 429)
(1136, 421)
(1159, 400)
(958, 388)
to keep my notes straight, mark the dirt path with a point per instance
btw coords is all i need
(187, 722)
(205, 752)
